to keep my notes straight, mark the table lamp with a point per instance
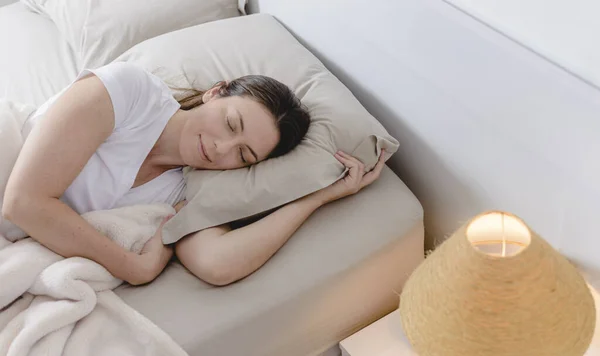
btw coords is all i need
(495, 288)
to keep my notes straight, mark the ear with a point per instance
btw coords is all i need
(213, 92)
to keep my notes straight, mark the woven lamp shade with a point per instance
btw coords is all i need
(496, 288)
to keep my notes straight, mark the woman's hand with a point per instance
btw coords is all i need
(355, 179)
(153, 258)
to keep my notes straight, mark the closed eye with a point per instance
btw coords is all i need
(229, 124)
(242, 156)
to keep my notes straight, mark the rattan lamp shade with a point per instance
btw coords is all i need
(524, 299)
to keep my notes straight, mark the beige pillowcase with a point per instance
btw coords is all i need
(258, 44)
(100, 30)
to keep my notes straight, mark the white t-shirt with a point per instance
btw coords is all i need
(142, 105)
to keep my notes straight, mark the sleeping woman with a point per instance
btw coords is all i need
(117, 137)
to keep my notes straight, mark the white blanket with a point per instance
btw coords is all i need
(55, 306)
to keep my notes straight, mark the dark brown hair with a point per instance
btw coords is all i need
(291, 117)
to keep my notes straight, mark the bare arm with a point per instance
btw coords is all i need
(221, 256)
(54, 154)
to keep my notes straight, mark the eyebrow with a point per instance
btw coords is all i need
(242, 127)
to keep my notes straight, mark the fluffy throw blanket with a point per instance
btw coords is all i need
(50, 305)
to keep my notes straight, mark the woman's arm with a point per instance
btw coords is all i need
(54, 154)
(222, 256)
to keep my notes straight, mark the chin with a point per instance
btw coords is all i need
(193, 161)
(198, 165)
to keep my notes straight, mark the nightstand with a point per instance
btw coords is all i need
(385, 337)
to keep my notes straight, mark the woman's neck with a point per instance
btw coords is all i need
(165, 153)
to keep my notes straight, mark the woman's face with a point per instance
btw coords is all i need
(227, 133)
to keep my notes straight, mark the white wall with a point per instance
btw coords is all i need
(565, 32)
(483, 122)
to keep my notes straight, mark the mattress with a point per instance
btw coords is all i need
(339, 272)
(36, 62)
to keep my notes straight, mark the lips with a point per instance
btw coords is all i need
(201, 149)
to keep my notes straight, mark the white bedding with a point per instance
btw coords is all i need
(67, 306)
(36, 62)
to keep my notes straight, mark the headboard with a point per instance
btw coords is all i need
(483, 122)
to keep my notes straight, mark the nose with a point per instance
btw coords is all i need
(224, 146)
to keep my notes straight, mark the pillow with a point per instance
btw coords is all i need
(100, 30)
(218, 53)
(37, 61)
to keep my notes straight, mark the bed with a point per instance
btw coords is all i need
(341, 270)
